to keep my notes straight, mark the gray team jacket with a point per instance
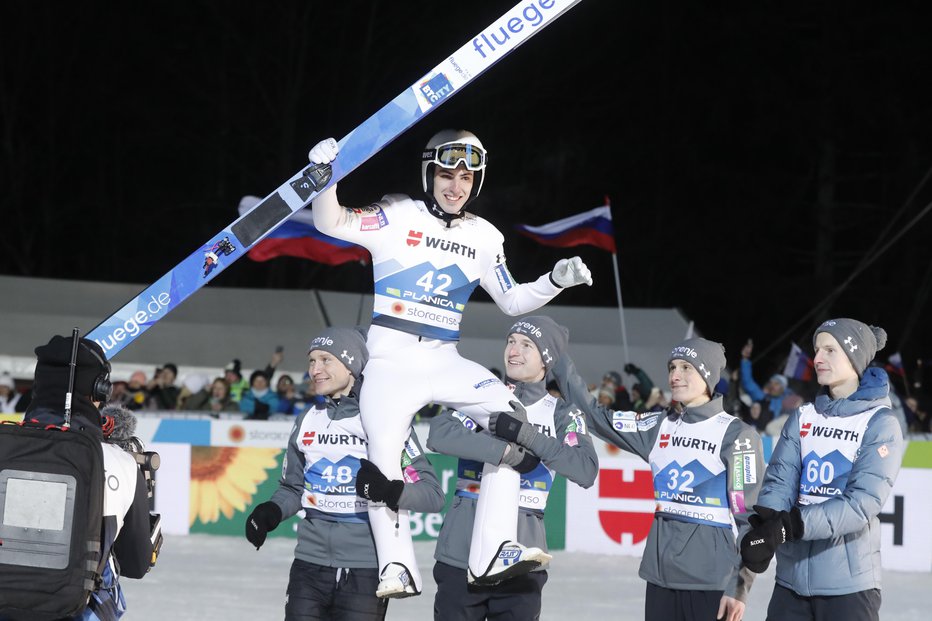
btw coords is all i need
(339, 543)
(839, 552)
(678, 554)
(574, 458)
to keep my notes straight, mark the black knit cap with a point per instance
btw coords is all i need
(52, 371)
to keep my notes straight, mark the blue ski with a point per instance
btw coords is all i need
(519, 24)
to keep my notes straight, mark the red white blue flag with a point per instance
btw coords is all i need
(298, 237)
(799, 365)
(895, 364)
(593, 227)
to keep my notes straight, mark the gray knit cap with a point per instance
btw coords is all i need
(859, 340)
(708, 357)
(347, 344)
(550, 337)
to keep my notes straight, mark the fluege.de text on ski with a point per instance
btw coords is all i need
(530, 15)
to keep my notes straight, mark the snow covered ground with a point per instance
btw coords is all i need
(211, 578)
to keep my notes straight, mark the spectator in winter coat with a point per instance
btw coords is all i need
(9, 398)
(757, 416)
(136, 395)
(258, 402)
(773, 392)
(233, 375)
(707, 467)
(163, 394)
(288, 396)
(828, 478)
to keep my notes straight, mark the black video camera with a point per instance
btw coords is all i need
(148, 462)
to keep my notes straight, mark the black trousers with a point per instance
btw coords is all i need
(517, 599)
(318, 593)
(662, 604)
(787, 605)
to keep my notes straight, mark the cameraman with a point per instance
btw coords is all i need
(125, 535)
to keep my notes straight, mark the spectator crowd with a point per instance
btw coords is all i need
(765, 405)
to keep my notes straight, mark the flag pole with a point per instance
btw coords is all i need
(621, 306)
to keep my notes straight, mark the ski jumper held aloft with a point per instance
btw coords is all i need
(428, 257)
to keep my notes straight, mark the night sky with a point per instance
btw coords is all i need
(757, 155)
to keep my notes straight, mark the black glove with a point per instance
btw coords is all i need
(769, 528)
(631, 369)
(519, 458)
(512, 426)
(264, 519)
(375, 486)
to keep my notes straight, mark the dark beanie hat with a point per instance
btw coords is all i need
(860, 341)
(51, 378)
(707, 356)
(53, 363)
(347, 344)
(550, 337)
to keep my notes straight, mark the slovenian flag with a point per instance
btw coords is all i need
(593, 227)
(799, 365)
(298, 237)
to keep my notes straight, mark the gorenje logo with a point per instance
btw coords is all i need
(532, 16)
(131, 327)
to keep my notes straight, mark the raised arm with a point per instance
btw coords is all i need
(571, 452)
(629, 431)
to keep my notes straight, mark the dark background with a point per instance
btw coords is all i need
(758, 155)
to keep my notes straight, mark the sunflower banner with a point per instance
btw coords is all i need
(228, 481)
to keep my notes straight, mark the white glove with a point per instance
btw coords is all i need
(324, 151)
(569, 272)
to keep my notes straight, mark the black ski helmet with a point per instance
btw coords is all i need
(432, 156)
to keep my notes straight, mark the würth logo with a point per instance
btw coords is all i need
(664, 440)
(308, 438)
(804, 430)
(414, 238)
(618, 523)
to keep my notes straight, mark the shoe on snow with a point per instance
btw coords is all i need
(395, 582)
(512, 560)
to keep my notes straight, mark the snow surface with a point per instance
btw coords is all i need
(213, 578)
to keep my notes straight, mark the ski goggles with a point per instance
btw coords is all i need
(453, 154)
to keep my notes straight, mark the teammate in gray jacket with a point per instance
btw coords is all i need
(707, 467)
(562, 447)
(829, 476)
(326, 475)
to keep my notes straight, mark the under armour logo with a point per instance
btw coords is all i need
(345, 355)
(743, 445)
(851, 346)
(703, 369)
(546, 355)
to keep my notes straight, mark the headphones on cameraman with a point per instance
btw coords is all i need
(102, 385)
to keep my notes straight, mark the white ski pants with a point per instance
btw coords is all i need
(405, 373)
